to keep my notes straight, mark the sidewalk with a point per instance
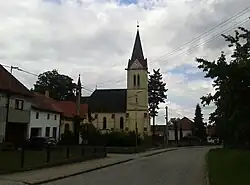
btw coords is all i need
(59, 172)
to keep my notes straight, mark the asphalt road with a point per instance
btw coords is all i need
(185, 166)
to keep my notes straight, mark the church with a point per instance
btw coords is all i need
(124, 109)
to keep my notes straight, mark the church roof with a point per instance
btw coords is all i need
(138, 52)
(108, 101)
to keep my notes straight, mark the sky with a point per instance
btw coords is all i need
(94, 38)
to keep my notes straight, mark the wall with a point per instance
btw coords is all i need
(17, 116)
(171, 135)
(71, 125)
(43, 122)
(111, 123)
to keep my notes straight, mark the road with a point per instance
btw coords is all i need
(185, 166)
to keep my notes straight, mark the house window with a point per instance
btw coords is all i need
(121, 123)
(145, 129)
(48, 116)
(54, 132)
(55, 117)
(138, 80)
(19, 104)
(66, 127)
(37, 115)
(47, 131)
(134, 80)
(104, 126)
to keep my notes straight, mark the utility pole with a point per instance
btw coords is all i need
(8, 100)
(166, 134)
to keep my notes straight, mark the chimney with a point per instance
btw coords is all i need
(47, 93)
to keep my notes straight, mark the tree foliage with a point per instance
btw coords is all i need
(60, 87)
(231, 80)
(199, 125)
(156, 94)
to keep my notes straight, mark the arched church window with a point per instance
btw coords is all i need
(134, 80)
(104, 124)
(121, 123)
(138, 80)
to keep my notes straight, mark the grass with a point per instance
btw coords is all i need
(10, 161)
(228, 167)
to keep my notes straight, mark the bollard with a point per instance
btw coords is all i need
(67, 152)
(22, 157)
(48, 154)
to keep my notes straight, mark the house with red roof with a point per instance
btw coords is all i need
(14, 108)
(69, 111)
(45, 116)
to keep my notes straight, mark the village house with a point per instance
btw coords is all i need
(124, 109)
(184, 124)
(14, 125)
(44, 116)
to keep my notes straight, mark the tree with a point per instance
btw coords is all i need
(231, 79)
(156, 94)
(200, 130)
(174, 122)
(60, 87)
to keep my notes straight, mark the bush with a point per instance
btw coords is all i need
(68, 138)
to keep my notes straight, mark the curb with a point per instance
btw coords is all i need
(78, 173)
(160, 152)
(93, 169)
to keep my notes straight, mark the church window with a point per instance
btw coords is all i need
(104, 124)
(121, 123)
(134, 80)
(138, 80)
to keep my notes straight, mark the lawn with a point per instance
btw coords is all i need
(229, 167)
(11, 160)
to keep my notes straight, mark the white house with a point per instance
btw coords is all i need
(44, 117)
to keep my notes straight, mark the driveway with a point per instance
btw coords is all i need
(185, 166)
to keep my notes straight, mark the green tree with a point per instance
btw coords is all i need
(60, 87)
(231, 79)
(199, 125)
(156, 94)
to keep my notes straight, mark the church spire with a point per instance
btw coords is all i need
(137, 50)
(137, 53)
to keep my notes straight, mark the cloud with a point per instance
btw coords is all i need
(95, 39)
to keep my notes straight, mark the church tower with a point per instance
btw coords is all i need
(137, 90)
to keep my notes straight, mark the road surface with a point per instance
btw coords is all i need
(185, 166)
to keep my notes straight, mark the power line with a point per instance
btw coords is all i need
(206, 33)
(205, 42)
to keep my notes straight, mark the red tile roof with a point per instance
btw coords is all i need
(10, 84)
(69, 108)
(42, 102)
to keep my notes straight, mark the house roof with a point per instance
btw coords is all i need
(85, 99)
(186, 124)
(10, 84)
(138, 52)
(68, 108)
(108, 101)
(42, 102)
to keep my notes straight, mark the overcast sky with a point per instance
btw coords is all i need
(94, 38)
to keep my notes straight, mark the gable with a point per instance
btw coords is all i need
(136, 65)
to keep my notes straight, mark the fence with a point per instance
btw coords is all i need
(11, 161)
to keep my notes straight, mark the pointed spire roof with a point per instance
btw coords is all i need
(137, 50)
(137, 53)
(79, 80)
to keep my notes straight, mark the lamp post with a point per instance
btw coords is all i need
(166, 130)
